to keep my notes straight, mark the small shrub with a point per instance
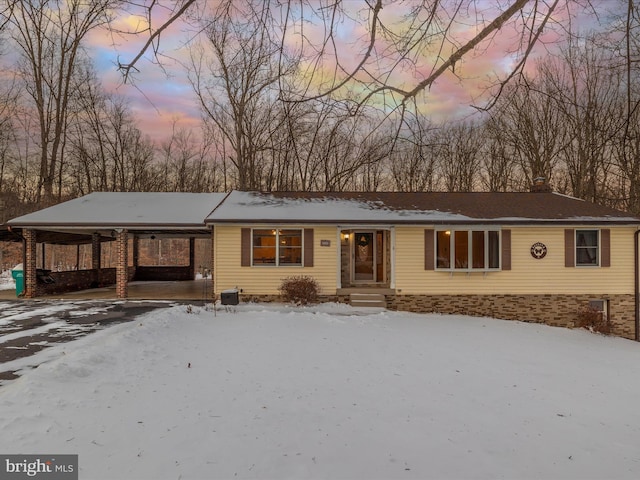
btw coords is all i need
(592, 319)
(299, 289)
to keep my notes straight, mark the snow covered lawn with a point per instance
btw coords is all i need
(331, 392)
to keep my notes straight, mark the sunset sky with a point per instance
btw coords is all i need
(160, 97)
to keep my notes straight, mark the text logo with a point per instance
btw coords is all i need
(46, 467)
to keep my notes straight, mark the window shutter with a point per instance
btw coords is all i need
(605, 247)
(308, 247)
(506, 249)
(428, 249)
(569, 248)
(245, 247)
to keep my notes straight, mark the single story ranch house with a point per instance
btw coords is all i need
(534, 256)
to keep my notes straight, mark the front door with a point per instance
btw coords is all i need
(368, 256)
(364, 250)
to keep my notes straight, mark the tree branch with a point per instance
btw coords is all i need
(127, 67)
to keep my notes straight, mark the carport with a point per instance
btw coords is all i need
(119, 219)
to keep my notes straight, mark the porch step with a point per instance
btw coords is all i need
(367, 300)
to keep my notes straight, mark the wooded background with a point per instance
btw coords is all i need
(279, 114)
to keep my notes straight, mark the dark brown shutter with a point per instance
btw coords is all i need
(605, 247)
(428, 249)
(308, 247)
(569, 248)
(506, 249)
(245, 247)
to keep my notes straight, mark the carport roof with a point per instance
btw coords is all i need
(132, 210)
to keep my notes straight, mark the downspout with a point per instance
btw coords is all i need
(636, 282)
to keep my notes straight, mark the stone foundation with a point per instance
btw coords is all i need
(248, 298)
(554, 310)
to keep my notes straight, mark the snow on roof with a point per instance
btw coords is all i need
(252, 206)
(410, 207)
(181, 210)
(123, 209)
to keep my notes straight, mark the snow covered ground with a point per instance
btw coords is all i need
(6, 281)
(270, 391)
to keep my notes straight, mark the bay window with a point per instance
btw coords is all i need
(467, 249)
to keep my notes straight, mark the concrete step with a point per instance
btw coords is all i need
(367, 300)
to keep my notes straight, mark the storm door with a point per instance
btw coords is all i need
(368, 256)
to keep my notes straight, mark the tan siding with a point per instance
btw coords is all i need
(527, 276)
(266, 280)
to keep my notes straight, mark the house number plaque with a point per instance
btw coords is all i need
(325, 243)
(538, 250)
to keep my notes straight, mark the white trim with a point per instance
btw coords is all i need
(374, 256)
(364, 227)
(469, 268)
(598, 249)
(392, 260)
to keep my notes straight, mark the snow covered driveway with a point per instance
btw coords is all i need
(28, 327)
(329, 392)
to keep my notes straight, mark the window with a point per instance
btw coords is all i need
(468, 249)
(587, 251)
(277, 247)
(601, 307)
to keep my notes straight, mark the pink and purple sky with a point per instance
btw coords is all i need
(161, 97)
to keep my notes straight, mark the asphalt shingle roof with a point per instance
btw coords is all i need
(412, 207)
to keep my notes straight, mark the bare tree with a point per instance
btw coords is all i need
(49, 35)
(528, 122)
(187, 164)
(238, 87)
(585, 90)
(8, 109)
(398, 37)
(498, 165)
(412, 162)
(627, 147)
(107, 151)
(458, 150)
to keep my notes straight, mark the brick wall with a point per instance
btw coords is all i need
(145, 273)
(71, 281)
(555, 310)
(29, 268)
(95, 251)
(122, 288)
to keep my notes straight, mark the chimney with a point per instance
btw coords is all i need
(540, 185)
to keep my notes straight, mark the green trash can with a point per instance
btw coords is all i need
(18, 275)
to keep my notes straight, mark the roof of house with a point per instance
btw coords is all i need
(412, 208)
(126, 210)
(190, 213)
